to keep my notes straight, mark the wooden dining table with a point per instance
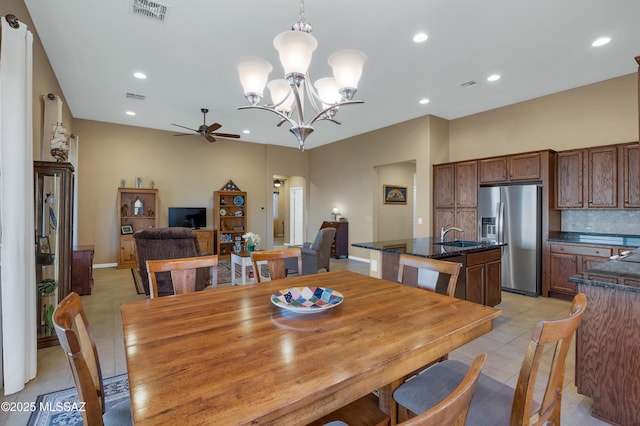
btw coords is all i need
(230, 356)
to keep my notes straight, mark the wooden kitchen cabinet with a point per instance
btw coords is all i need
(483, 277)
(492, 170)
(511, 168)
(630, 165)
(566, 260)
(466, 185)
(455, 193)
(524, 166)
(603, 177)
(569, 179)
(444, 191)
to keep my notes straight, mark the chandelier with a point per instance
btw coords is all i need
(288, 95)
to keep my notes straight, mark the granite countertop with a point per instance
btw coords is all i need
(593, 238)
(622, 273)
(426, 247)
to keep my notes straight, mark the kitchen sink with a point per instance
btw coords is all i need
(458, 243)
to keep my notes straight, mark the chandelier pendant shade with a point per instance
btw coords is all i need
(288, 95)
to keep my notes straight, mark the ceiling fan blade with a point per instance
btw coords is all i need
(213, 127)
(210, 138)
(188, 128)
(226, 135)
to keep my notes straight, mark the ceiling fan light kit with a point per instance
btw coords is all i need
(288, 95)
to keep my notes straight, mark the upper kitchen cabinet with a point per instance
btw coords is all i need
(630, 160)
(444, 191)
(511, 168)
(604, 177)
(569, 179)
(455, 193)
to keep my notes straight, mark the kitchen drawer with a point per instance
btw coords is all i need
(581, 250)
(483, 257)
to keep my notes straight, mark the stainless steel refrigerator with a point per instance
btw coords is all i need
(512, 215)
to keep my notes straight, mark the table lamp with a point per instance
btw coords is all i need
(335, 212)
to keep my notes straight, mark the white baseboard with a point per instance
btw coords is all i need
(105, 265)
(360, 259)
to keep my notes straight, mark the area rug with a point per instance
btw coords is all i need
(59, 407)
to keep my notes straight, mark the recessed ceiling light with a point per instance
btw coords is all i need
(130, 113)
(420, 37)
(601, 41)
(493, 77)
(246, 132)
(140, 75)
(423, 101)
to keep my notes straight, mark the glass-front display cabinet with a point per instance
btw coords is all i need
(53, 205)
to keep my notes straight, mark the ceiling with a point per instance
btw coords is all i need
(537, 46)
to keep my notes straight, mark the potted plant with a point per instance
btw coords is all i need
(47, 289)
(252, 240)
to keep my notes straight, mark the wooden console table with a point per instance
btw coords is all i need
(82, 269)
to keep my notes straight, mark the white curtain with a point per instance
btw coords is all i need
(17, 252)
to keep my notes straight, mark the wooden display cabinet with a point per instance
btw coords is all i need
(53, 185)
(137, 209)
(230, 220)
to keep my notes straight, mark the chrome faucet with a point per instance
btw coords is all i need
(444, 231)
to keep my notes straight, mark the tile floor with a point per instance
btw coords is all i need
(505, 345)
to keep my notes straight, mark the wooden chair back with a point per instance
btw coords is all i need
(74, 334)
(546, 333)
(454, 408)
(276, 261)
(183, 272)
(440, 266)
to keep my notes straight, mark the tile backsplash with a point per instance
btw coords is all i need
(602, 221)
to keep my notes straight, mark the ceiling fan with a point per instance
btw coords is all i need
(207, 131)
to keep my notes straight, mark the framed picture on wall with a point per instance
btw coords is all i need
(43, 245)
(126, 229)
(394, 194)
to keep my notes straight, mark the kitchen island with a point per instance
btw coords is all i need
(480, 276)
(608, 339)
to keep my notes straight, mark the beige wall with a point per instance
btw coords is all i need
(393, 221)
(598, 114)
(186, 171)
(44, 80)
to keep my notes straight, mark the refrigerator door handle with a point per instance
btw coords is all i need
(500, 220)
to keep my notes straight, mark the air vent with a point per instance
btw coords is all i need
(135, 96)
(149, 9)
(468, 83)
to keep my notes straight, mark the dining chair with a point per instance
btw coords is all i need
(76, 339)
(183, 271)
(495, 403)
(435, 266)
(276, 261)
(453, 409)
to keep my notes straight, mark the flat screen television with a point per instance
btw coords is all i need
(188, 217)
